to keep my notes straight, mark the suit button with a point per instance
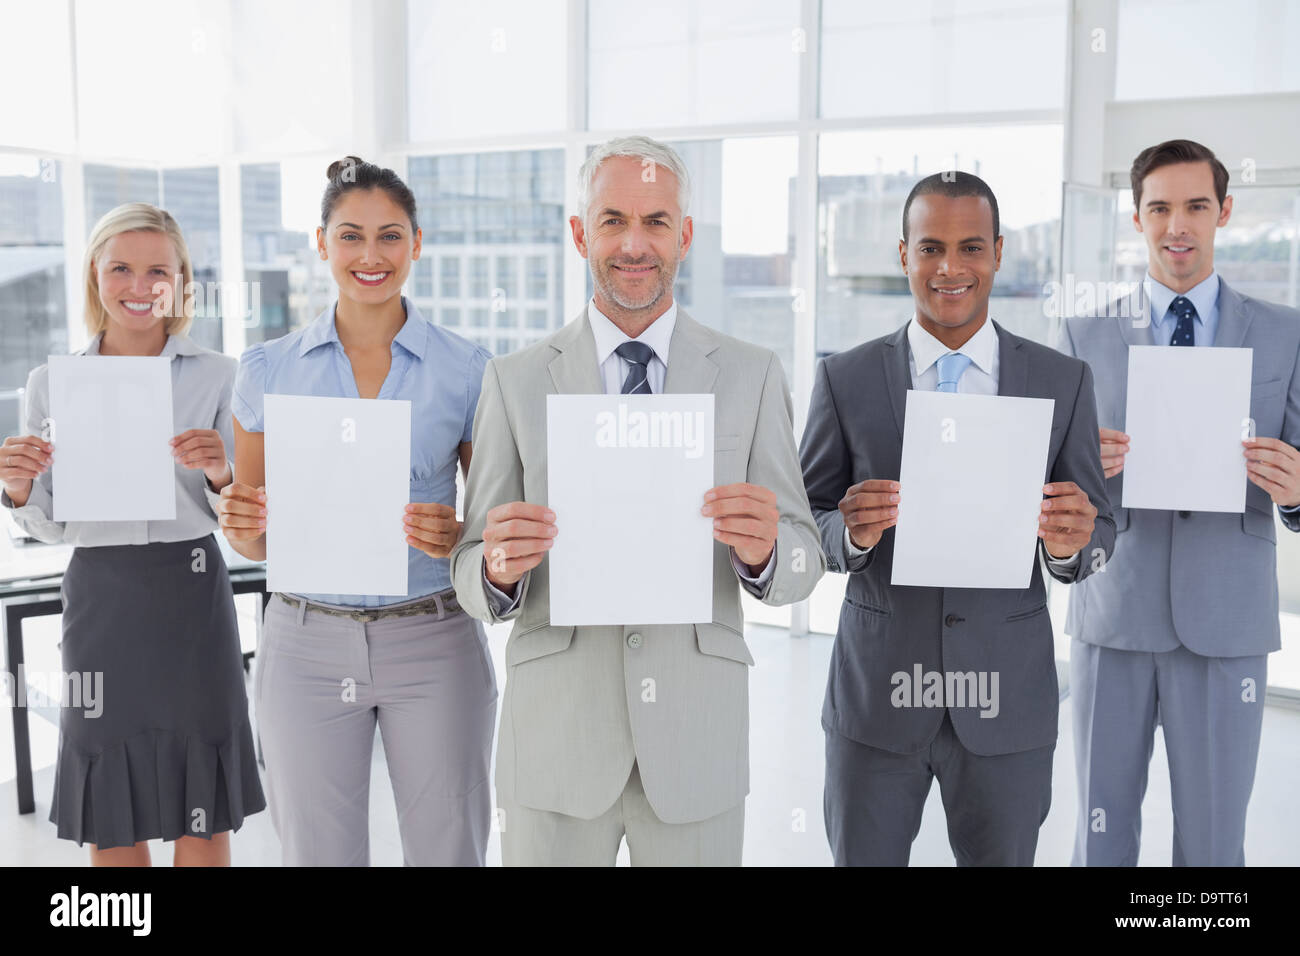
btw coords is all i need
(634, 640)
(1184, 514)
(952, 619)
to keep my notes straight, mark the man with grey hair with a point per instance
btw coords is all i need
(585, 756)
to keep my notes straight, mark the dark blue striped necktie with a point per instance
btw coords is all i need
(637, 354)
(1185, 331)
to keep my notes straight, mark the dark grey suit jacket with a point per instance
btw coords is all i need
(855, 432)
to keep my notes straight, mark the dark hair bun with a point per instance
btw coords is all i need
(337, 167)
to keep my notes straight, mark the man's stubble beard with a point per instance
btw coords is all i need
(603, 281)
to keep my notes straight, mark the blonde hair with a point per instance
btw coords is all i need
(135, 217)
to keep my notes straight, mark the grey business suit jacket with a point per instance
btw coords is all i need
(855, 432)
(1202, 579)
(575, 713)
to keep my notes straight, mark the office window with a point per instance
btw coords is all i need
(865, 177)
(737, 274)
(33, 304)
(899, 59)
(538, 272)
(40, 46)
(288, 282)
(495, 211)
(163, 105)
(292, 82)
(451, 317)
(504, 70)
(1247, 46)
(536, 318)
(505, 277)
(191, 196)
(422, 278)
(450, 288)
(727, 61)
(107, 187)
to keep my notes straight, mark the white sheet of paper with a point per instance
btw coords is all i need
(970, 490)
(112, 424)
(338, 479)
(1187, 413)
(626, 477)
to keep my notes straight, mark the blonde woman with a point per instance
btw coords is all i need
(171, 754)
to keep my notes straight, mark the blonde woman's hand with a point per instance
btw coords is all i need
(22, 459)
(203, 448)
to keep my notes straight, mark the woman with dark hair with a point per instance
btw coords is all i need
(333, 666)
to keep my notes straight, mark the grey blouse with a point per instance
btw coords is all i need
(202, 381)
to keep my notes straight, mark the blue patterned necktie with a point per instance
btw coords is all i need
(950, 368)
(1185, 331)
(636, 354)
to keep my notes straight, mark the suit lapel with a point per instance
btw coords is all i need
(1013, 364)
(690, 370)
(898, 373)
(1234, 318)
(574, 370)
(1134, 319)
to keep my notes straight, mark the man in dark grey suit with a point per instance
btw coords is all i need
(1179, 629)
(991, 752)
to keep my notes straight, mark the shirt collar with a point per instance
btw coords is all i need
(412, 336)
(1204, 295)
(609, 336)
(176, 345)
(980, 348)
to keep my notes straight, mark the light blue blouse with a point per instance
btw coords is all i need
(437, 371)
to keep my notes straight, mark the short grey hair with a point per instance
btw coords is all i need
(638, 147)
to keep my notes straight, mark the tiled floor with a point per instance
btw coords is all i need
(783, 822)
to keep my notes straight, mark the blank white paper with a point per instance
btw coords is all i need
(626, 477)
(111, 427)
(338, 473)
(970, 490)
(1188, 410)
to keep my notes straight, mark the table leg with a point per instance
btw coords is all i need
(22, 740)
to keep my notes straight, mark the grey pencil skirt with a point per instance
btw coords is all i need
(166, 749)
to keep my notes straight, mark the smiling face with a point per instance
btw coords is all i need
(1177, 215)
(949, 258)
(369, 245)
(136, 272)
(633, 236)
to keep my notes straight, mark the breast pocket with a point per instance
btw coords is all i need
(728, 468)
(1267, 401)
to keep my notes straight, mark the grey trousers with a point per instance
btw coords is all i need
(543, 838)
(321, 686)
(994, 804)
(1211, 709)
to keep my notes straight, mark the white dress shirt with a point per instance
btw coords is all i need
(980, 378)
(613, 371)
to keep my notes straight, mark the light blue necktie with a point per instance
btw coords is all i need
(950, 368)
